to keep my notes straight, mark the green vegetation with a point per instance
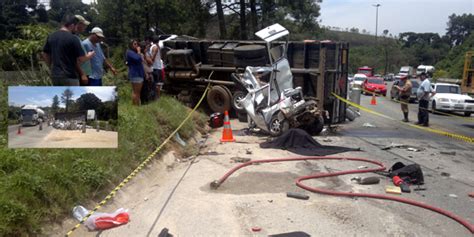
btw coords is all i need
(38, 186)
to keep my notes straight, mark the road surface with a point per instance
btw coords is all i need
(174, 193)
(32, 137)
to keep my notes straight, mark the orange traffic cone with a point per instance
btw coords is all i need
(227, 132)
(19, 130)
(373, 101)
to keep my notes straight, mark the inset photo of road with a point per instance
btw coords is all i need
(62, 117)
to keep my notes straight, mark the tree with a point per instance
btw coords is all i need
(88, 101)
(253, 16)
(459, 28)
(243, 22)
(14, 14)
(220, 16)
(66, 98)
(55, 104)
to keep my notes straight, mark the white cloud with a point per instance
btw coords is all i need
(394, 15)
(104, 93)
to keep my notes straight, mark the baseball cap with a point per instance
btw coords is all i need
(98, 31)
(82, 20)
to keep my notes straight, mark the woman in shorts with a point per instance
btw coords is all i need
(136, 74)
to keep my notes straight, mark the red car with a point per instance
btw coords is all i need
(374, 84)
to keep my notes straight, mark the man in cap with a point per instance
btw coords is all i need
(424, 93)
(92, 43)
(64, 54)
(404, 92)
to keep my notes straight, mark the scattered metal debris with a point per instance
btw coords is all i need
(237, 159)
(297, 195)
(445, 174)
(453, 195)
(451, 153)
(248, 151)
(368, 125)
(397, 145)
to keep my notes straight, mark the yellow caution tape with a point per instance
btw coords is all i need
(140, 167)
(444, 133)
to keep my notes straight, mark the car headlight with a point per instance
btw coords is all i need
(444, 100)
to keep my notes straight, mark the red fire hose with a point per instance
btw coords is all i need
(299, 183)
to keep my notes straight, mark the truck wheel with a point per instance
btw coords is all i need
(219, 99)
(236, 97)
(467, 114)
(250, 51)
(278, 125)
(244, 62)
(317, 126)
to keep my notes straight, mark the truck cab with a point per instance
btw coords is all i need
(428, 69)
(31, 115)
(406, 71)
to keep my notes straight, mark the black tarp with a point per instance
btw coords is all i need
(300, 142)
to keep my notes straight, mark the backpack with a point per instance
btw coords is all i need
(409, 173)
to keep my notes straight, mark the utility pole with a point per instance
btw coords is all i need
(376, 18)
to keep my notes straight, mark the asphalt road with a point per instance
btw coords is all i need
(29, 136)
(453, 123)
(174, 193)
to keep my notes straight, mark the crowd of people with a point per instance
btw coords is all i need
(74, 62)
(81, 63)
(145, 69)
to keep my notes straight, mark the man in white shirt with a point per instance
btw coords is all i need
(424, 93)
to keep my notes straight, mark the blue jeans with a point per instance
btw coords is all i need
(423, 115)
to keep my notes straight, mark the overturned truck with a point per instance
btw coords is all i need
(319, 68)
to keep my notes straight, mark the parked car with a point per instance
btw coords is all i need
(394, 91)
(448, 97)
(357, 81)
(374, 84)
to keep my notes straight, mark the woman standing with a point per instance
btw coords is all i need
(136, 73)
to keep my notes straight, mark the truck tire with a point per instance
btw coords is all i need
(238, 95)
(278, 125)
(244, 62)
(219, 99)
(250, 51)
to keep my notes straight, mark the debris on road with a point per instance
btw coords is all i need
(179, 140)
(451, 153)
(393, 189)
(367, 180)
(237, 159)
(301, 196)
(256, 229)
(362, 167)
(368, 125)
(471, 194)
(101, 221)
(445, 174)
(248, 151)
(327, 140)
(397, 145)
(453, 195)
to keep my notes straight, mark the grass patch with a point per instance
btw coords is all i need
(40, 186)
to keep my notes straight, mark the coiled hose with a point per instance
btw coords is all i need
(299, 183)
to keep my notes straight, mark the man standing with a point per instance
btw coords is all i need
(64, 54)
(155, 54)
(424, 94)
(92, 43)
(404, 92)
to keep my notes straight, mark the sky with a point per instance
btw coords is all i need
(397, 16)
(43, 95)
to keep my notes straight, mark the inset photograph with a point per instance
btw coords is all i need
(62, 117)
